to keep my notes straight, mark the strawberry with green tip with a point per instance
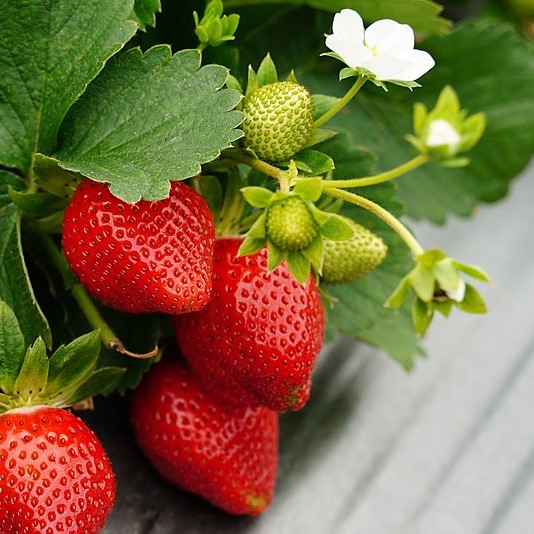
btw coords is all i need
(278, 120)
(351, 259)
(148, 257)
(54, 474)
(256, 342)
(226, 454)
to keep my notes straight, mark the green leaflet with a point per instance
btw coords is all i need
(15, 286)
(49, 52)
(147, 119)
(422, 15)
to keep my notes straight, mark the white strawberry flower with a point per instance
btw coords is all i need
(384, 51)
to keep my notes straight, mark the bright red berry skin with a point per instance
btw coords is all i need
(226, 454)
(146, 257)
(256, 342)
(54, 474)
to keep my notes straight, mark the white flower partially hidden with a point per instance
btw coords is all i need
(441, 133)
(457, 294)
(385, 50)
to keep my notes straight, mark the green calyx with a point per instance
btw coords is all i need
(278, 120)
(292, 228)
(28, 377)
(351, 259)
(437, 285)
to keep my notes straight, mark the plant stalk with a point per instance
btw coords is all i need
(342, 102)
(410, 165)
(84, 301)
(380, 212)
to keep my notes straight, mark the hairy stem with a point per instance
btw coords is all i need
(84, 301)
(380, 212)
(254, 163)
(410, 165)
(341, 103)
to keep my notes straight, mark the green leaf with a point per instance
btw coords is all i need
(400, 294)
(102, 382)
(446, 275)
(472, 302)
(422, 314)
(275, 256)
(258, 230)
(144, 12)
(319, 135)
(313, 161)
(71, 363)
(309, 189)
(210, 189)
(34, 372)
(15, 286)
(147, 119)
(266, 72)
(54, 179)
(472, 270)
(422, 281)
(49, 52)
(336, 228)
(422, 15)
(37, 204)
(322, 104)
(9, 181)
(12, 348)
(250, 245)
(258, 197)
(299, 266)
(314, 253)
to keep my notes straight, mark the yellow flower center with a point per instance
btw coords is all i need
(373, 50)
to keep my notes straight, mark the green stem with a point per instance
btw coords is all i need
(254, 163)
(341, 103)
(202, 46)
(88, 307)
(410, 165)
(380, 212)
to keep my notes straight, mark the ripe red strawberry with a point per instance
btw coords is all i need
(256, 342)
(144, 257)
(54, 474)
(226, 454)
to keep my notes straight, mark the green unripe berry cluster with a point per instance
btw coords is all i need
(290, 225)
(347, 261)
(278, 120)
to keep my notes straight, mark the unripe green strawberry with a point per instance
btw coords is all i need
(349, 260)
(278, 120)
(290, 225)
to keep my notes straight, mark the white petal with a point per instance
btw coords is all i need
(386, 67)
(348, 25)
(352, 52)
(390, 37)
(458, 293)
(420, 63)
(441, 132)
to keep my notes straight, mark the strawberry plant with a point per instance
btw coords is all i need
(225, 179)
